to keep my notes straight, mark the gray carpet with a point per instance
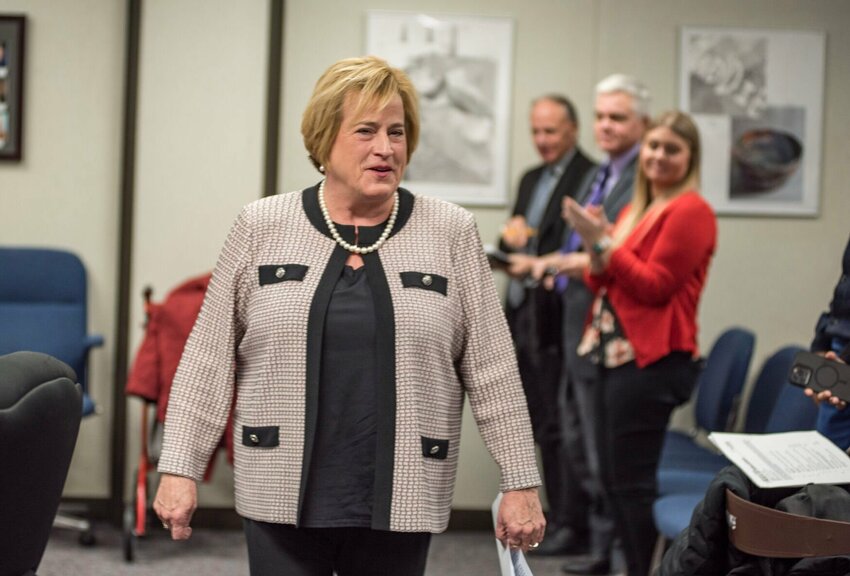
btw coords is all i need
(220, 553)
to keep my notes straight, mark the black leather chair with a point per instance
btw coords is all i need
(40, 412)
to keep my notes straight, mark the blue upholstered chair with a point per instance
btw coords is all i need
(43, 308)
(770, 385)
(40, 412)
(719, 384)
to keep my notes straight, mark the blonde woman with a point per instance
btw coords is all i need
(647, 272)
(348, 321)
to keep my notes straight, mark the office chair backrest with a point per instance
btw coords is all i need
(43, 307)
(793, 411)
(40, 412)
(723, 377)
(767, 388)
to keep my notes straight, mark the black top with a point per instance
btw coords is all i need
(384, 350)
(342, 471)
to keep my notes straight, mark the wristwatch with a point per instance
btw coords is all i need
(601, 245)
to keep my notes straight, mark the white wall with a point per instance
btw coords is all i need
(200, 129)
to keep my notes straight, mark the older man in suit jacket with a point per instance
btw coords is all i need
(621, 116)
(534, 314)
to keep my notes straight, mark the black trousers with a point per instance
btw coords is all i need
(633, 409)
(284, 550)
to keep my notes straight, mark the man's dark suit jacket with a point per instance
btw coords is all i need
(577, 298)
(550, 235)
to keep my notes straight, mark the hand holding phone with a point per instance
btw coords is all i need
(819, 373)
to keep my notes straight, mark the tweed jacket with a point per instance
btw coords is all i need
(441, 335)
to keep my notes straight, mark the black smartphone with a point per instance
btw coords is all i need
(818, 373)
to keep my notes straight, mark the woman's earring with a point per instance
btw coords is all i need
(322, 169)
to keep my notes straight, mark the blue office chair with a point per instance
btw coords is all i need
(770, 384)
(718, 386)
(793, 411)
(40, 412)
(43, 309)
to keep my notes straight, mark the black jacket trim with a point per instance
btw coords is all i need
(276, 273)
(310, 201)
(315, 336)
(425, 281)
(385, 344)
(260, 436)
(434, 448)
(386, 393)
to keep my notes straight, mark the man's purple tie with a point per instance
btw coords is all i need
(595, 198)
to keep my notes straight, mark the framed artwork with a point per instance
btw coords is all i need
(12, 33)
(757, 98)
(461, 67)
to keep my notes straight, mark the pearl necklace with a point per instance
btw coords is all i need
(351, 247)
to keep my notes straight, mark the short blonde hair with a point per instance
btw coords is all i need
(376, 82)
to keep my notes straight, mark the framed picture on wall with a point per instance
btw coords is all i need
(461, 67)
(757, 97)
(12, 31)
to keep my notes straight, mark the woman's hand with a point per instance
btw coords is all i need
(826, 395)
(520, 524)
(175, 502)
(590, 223)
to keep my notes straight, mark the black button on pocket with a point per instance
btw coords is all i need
(260, 436)
(275, 273)
(425, 281)
(432, 448)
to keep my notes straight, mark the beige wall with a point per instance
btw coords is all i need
(201, 122)
(200, 151)
(65, 192)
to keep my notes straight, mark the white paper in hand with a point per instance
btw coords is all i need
(511, 562)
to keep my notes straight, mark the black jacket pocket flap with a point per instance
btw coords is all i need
(425, 281)
(433, 448)
(260, 436)
(274, 273)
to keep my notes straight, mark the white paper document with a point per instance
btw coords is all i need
(785, 459)
(511, 562)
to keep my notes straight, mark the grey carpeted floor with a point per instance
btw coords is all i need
(220, 553)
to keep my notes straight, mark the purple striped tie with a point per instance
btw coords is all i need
(597, 195)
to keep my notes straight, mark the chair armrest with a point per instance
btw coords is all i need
(92, 341)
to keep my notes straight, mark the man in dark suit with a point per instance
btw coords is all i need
(621, 116)
(534, 314)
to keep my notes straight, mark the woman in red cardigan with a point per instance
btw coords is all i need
(647, 271)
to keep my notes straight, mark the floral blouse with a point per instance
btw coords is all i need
(604, 343)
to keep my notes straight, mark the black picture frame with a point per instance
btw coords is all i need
(12, 48)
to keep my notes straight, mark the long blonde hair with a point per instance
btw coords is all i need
(684, 127)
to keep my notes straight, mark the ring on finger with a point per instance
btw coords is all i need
(165, 525)
(533, 546)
